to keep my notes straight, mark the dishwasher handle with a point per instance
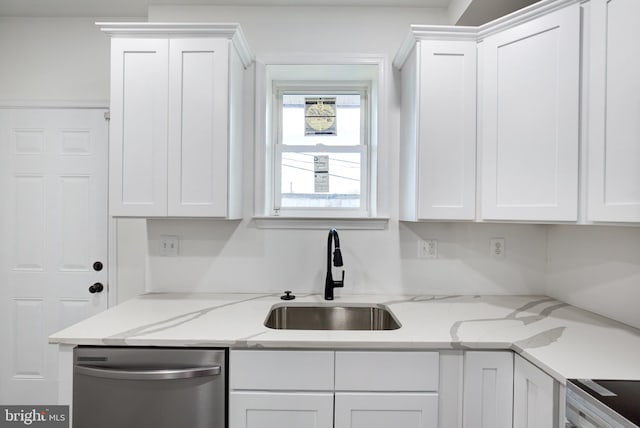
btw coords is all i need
(162, 374)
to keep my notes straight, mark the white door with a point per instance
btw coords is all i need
(613, 86)
(385, 410)
(529, 119)
(249, 409)
(488, 389)
(53, 223)
(533, 396)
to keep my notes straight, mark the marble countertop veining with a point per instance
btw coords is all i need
(565, 341)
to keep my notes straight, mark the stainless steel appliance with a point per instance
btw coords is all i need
(603, 403)
(130, 387)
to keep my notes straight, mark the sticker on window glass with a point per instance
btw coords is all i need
(321, 173)
(320, 116)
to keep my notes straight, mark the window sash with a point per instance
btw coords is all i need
(280, 149)
(321, 89)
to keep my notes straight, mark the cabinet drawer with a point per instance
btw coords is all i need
(281, 370)
(387, 371)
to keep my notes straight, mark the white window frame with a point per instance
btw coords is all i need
(333, 71)
(362, 88)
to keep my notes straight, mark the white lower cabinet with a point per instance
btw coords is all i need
(535, 397)
(390, 389)
(488, 389)
(384, 410)
(296, 389)
(252, 409)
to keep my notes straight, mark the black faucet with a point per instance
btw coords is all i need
(329, 283)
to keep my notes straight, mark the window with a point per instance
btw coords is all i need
(321, 156)
(320, 145)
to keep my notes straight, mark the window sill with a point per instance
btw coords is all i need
(341, 223)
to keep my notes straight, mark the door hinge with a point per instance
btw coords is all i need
(107, 116)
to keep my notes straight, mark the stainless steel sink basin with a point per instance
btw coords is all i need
(294, 317)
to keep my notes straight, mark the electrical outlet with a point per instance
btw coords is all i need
(497, 248)
(428, 249)
(169, 245)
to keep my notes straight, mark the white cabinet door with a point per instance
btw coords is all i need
(198, 127)
(385, 410)
(534, 397)
(488, 389)
(613, 86)
(280, 410)
(529, 119)
(138, 132)
(439, 131)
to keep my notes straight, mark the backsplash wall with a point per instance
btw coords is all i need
(237, 257)
(596, 268)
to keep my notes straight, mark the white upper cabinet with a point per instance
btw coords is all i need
(176, 128)
(612, 70)
(529, 78)
(438, 141)
(138, 127)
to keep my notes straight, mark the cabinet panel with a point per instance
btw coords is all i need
(447, 132)
(438, 150)
(530, 106)
(534, 396)
(488, 389)
(280, 410)
(386, 371)
(613, 136)
(198, 134)
(277, 370)
(376, 410)
(138, 138)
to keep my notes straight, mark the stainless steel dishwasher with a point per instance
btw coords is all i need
(130, 387)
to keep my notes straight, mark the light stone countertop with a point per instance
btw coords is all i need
(565, 341)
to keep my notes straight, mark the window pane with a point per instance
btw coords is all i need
(338, 186)
(348, 123)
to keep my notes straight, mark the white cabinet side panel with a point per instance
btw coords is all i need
(408, 138)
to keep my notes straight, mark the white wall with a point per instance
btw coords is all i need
(67, 59)
(596, 268)
(236, 256)
(53, 61)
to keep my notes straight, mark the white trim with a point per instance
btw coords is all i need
(53, 104)
(432, 32)
(450, 32)
(228, 30)
(523, 15)
(263, 130)
(112, 263)
(341, 223)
